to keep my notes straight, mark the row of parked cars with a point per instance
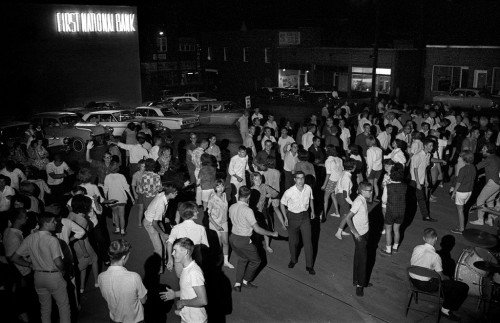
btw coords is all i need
(76, 126)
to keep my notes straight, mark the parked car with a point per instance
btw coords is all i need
(118, 120)
(176, 99)
(97, 105)
(466, 98)
(213, 112)
(66, 128)
(168, 115)
(11, 132)
(201, 96)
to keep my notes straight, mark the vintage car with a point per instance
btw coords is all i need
(168, 115)
(201, 96)
(11, 132)
(97, 106)
(66, 128)
(176, 99)
(466, 98)
(213, 112)
(118, 120)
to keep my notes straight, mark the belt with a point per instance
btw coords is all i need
(47, 271)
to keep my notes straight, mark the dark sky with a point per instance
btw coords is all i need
(475, 22)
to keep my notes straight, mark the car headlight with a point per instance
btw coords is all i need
(111, 129)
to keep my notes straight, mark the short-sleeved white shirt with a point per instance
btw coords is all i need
(283, 142)
(344, 183)
(297, 201)
(334, 167)
(16, 176)
(4, 201)
(191, 230)
(58, 170)
(242, 218)
(156, 208)
(191, 276)
(360, 218)
(345, 134)
(425, 256)
(123, 290)
(419, 161)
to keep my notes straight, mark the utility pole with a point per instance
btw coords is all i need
(375, 54)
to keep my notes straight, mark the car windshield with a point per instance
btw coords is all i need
(186, 108)
(123, 116)
(168, 111)
(69, 120)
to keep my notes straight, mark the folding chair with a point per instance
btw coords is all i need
(425, 272)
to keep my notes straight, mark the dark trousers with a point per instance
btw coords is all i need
(422, 199)
(454, 292)
(57, 193)
(344, 207)
(288, 180)
(299, 224)
(249, 260)
(360, 259)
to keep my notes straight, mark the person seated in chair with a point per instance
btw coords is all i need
(454, 292)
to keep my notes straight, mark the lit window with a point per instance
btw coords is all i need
(209, 53)
(361, 80)
(267, 56)
(161, 44)
(447, 78)
(245, 53)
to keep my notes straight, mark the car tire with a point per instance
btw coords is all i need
(78, 144)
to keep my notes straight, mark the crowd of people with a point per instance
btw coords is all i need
(338, 163)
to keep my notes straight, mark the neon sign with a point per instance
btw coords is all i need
(91, 22)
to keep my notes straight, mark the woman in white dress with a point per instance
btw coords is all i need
(117, 189)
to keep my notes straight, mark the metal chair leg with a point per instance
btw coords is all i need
(409, 303)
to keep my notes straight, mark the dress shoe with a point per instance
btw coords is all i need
(384, 252)
(429, 219)
(291, 264)
(359, 291)
(477, 222)
(451, 316)
(249, 285)
(237, 288)
(311, 270)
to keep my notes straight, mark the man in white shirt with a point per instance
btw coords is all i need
(393, 121)
(307, 138)
(362, 120)
(289, 161)
(454, 292)
(192, 294)
(6, 194)
(57, 170)
(237, 167)
(345, 135)
(347, 109)
(248, 142)
(284, 142)
(137, 152)
(295, 204)
(385, 137)
(15, 174)
(154, 216)
(374, 159)
(187, 229)
(257, 114)
(123, 290)
(242, 124)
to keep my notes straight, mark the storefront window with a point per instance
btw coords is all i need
(288, 78)
(361, 80)
(447, 78)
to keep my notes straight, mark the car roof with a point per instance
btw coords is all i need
(14, 124)
(107, 111)
(57, 113)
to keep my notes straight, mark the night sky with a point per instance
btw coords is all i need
(346, 22)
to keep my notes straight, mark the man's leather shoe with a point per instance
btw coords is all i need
(429, 219)
(291, 264)
(237, 288)
(311, 270)
(249, 285)
(451, 316)
(359, 291)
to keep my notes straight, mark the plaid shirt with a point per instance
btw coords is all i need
(150, 184)
(396, 199)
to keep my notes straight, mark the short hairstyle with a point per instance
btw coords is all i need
(141, 162)
(299, 172)
(117, 249)
(242, 148)
(371, 141)
(208, 160)
(81, 204)
(430, 233)
(27, 187)
(331, 150)
(303, 155)
(114, 167)
(350, 164)
(150, 165)
(254, 175)
(204, 141)
(364, 185)
(243, 192)
(219, 182)
(354, 150)
(169, 189)
(187, 210)
(397, 173)
(84, 175)
(389, 162)
(185, 243)
(468, 156)
(389, 126)
(366, 125)
(425, 124)
(400, 143)
(25, 200)
(16, 214)
(81, 189)
(45, 217)
(428, 141)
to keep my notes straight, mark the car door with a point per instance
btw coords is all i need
(53, 131)
(203, 110)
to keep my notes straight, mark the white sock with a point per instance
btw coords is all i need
(339, 231)
(226, 258)
(445, 311)
(395, 246)
(245, 282)
(237, 284)
(388, 249)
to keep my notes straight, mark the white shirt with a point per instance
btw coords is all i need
(290, 161)
(397, 156)
(153, 153)
(189, 229)
(156, 208)
(297, 201)
(385, 139)
(405, 137)
(58, 170)
(307, 140)
(395, 123)
(69, 227)
(116, 187)
(272, 124)
(419, 161)
(243, 122)
(425, 256)
(264, 139)
(361, 123)
(347, 110)
(16, 176)
(237, 166)
(123, 291)
(12, 239)
(283, 142)
(137, 152)
(191, 276)
(257, 115)
(345, 134)
(4, 201)
(334, 167)
(93, 210)
(360, 218)
(374, 159)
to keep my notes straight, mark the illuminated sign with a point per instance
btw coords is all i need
(95, 22)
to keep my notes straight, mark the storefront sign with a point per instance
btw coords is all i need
(289, 38)
(95, 22)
